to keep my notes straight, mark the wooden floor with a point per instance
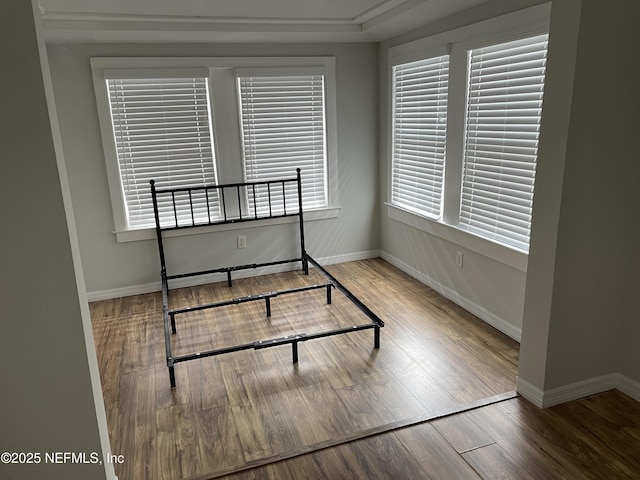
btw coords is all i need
(592, 438)
(249, 407)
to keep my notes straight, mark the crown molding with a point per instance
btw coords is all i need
(384, 20)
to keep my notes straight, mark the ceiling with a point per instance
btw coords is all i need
(239, 20)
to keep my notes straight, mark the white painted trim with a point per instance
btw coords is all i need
(495, 29)
(111, 293)
(530, 392)
(629, 387)
(85, 314)
(220, 277)
(582, 389)
(384, 20)
(480, 312)
(349, 257)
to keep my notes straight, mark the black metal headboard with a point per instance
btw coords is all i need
(191, 207)
(187, 207)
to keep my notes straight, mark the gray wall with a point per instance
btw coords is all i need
(492, 290)
(580, 314)
(576, 301)
(112, 267)
(592, 329)
(49, 402)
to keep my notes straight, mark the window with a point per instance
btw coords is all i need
(198, 121)
(283, 128)
(504, 106)
(419, 134)
(483, 149)
(162, 131)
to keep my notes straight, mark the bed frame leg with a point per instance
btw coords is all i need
(376, 337)
(329, 294)
(172, 377)
(268, 305)
(229, 278)
(173, 323)
(294, 348)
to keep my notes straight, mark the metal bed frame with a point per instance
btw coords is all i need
(184, 208)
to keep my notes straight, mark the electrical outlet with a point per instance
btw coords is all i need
(459, 258)
(242, 241)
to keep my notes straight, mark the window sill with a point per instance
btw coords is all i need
(150, 233)
(498, 252)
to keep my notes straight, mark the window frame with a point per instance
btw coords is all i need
(524, 23)
(432, 54)
(257, 73)
(509, 234)
(140, 187)
(228, 155)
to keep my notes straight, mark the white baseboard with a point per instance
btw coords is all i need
(531, 393)
(122, 292)
(349, 257)
(629, 387)
(220, 277)
(480, 312)
(575, 391)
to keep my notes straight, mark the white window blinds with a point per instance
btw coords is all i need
(162, 131)
(504, 107)
(283, 128)
(419, 134)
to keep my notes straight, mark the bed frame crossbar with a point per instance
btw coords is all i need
(229, 270)
(182, 208)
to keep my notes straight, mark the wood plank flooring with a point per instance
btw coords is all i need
(592, 438)
(236, 409)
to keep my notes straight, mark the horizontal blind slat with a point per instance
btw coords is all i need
(283, 128)
(162, 132)
(420, 92)
(506, 83)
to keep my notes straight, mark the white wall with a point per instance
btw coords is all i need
(113, 268)
(50, 403)
(489, 288)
